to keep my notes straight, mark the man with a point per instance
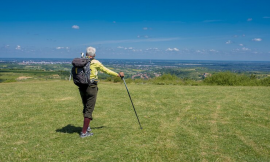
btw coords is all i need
(89, 93)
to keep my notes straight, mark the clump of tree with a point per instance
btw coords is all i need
(165, 79)
(113, 79)
(233, 79)
(168, 79)
(220, 78)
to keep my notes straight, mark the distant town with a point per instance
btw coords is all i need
(145, 69)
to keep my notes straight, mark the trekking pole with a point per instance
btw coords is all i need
(132, 103)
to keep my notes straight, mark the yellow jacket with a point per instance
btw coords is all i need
(96, 66)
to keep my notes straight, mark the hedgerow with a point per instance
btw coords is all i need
(220, 78)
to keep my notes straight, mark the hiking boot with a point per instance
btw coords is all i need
(88, 129)
(82, 135)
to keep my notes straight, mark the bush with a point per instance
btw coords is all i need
(109, 79)
(9, 80)
(140, 81)
(128, 80)
(116, 79)
(166, 79)
(221, 78)
(232, 79)
(265, 81)
(191, 82)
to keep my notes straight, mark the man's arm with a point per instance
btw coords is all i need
(110, 72)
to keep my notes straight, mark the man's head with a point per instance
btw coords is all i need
(90, 51)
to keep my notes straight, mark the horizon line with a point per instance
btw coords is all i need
(139, 59)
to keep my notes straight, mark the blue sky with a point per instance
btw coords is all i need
(141, 29)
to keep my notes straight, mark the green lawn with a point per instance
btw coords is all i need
(41, 121)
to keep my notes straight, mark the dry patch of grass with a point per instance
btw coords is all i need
(23, 78)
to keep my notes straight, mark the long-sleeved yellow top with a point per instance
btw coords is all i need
(96, 66)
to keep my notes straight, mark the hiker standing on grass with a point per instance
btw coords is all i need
(89, 93)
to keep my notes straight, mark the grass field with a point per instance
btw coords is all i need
(7, 76)
(41, 121)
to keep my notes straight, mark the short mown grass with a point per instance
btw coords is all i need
(41, 121)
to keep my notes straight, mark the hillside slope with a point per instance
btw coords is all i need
(41, 121)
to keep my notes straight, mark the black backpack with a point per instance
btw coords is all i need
(81, 71)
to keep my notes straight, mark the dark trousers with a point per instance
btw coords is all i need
(89, 97)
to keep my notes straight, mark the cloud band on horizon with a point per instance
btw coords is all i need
(135, 40)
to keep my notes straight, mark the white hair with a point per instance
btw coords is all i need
(90, 51)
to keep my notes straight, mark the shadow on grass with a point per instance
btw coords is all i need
(73, 129)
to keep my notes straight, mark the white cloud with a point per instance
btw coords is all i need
(249, 19)
(134, 40)
(245, 49)
(176, 49)
(212, 50)
(153, 49)
(266, 17)
(18, 47)
(62, 48)
(75, 27)
(257, 39)
(145, 28)
(114, 22)
(172, 49)
(241, 45)
(136, 50)
(127, 48)
(228, 42)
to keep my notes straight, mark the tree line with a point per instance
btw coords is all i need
(219, 78)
